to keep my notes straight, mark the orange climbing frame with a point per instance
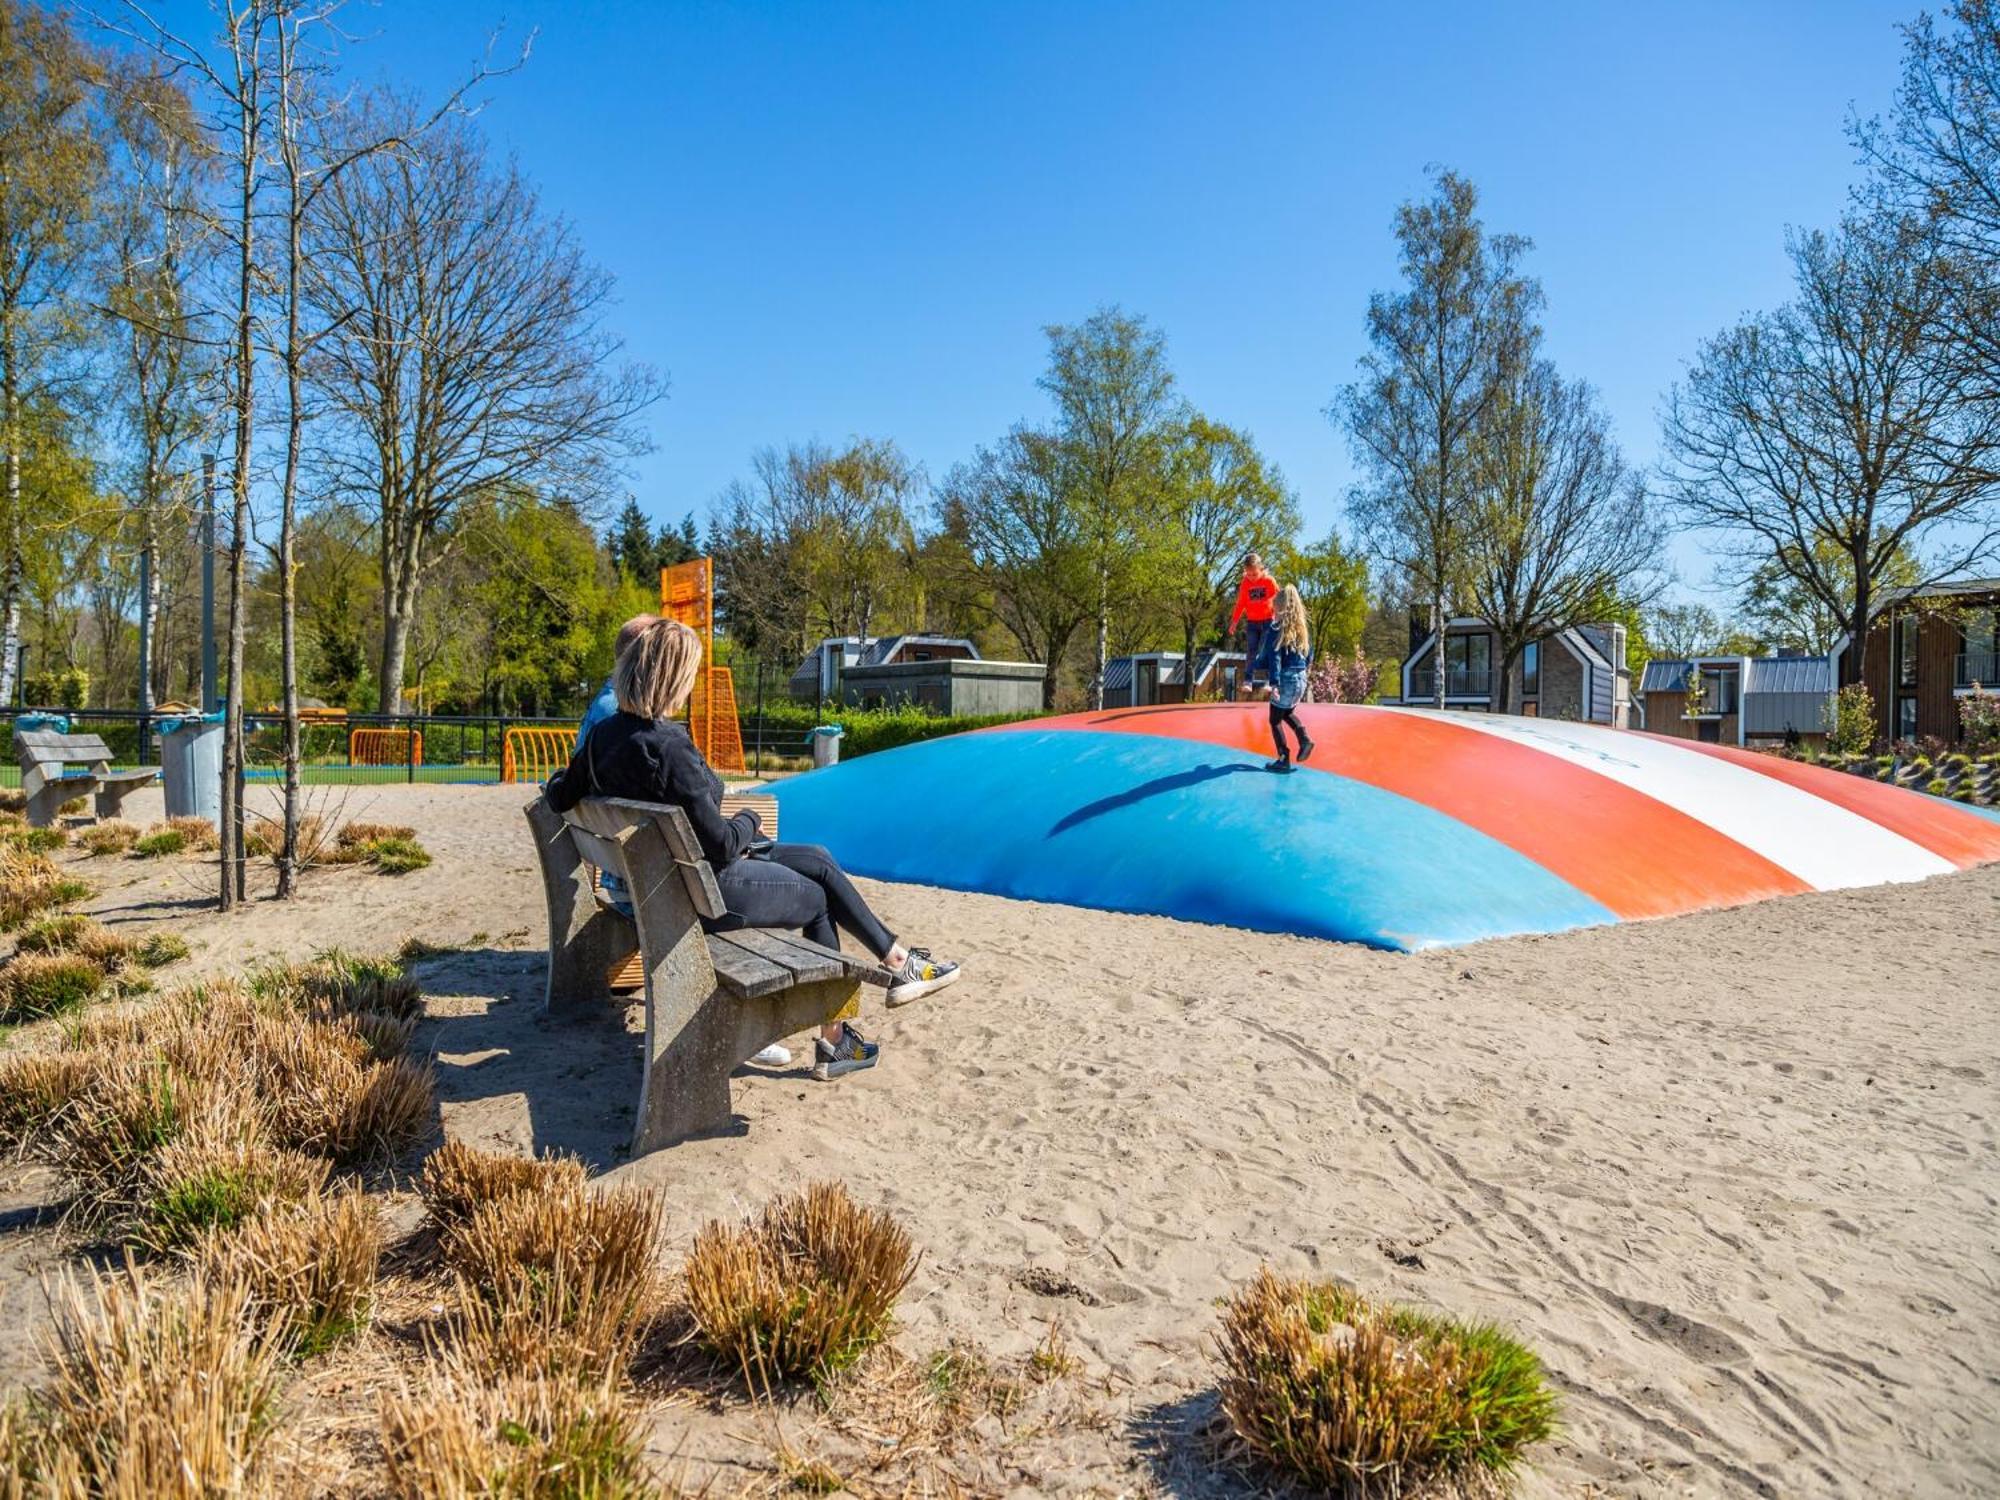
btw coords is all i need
(687, 594)
(534, 752)
(385, 747)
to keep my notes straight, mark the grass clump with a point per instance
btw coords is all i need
(399, 856)
(457, 1180)
(30, 885)
(158, 843)
(112, 836)
(33, 985)
(76, 934)
(556, 1281)
(158, 949)
(310, 1267)
(198, 1184)
(391, 848)
(34, 840)
(201, 835)
(355, 834)
(803, 1291)
(523, 1437)
(162, 1393)
(1359, 1398)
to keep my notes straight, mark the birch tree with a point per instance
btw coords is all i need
(1439, 351)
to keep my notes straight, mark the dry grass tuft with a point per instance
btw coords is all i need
(159, 842)
(205, 1181)
(168, 1394)
(803, 1291)
(458, 1179)
(202, 836)
(83, 937)
(374, 833)
(19, 835)
(34, 1088)
(310, 1267)
(112, 836)
(525, 1437)
(33, 985)
(556, 1281)
(1360, 1399)
(30, 884)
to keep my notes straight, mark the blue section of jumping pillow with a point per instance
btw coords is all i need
(1177, 828)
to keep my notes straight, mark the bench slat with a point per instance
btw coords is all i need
(42, 746)
(136, 778)
(611, 815)
(864, 969)
(745, 973)
(805, 962)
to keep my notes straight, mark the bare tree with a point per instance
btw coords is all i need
(468, 350)
(1440, 350)
(1013, 508)
(1829, 440)
(1560, 526)
(1679, 632)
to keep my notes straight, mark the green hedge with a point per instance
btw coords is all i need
(785, 727)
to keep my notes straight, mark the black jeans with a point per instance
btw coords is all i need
(799, 887)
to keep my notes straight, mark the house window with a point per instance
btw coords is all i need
(1718, 690)
(1906, 651)
(1467, 660)
(1906, 718)
(1146, 683)
(1979, 662)
(1531, 669)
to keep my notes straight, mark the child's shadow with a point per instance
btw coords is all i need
(1160, 786)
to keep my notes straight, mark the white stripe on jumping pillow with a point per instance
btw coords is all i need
(1826, 846)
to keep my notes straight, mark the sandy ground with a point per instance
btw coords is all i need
(1734, 1175)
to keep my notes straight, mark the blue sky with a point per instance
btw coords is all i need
(833, 218)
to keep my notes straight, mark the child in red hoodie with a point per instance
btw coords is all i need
(1256, 599)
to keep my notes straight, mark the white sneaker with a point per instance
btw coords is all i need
(777, 1055)
(920, 975)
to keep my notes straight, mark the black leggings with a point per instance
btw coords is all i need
(1279, 718)
(800, 888)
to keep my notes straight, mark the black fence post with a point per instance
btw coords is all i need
(760, 718)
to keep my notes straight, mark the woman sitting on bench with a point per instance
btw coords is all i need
(645, 754)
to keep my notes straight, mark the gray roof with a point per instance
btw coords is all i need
(1762, 674)
(881, 649)
(1665, 676)
(1790, 674)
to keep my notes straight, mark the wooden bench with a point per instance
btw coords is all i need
(48, 783)
(713, 999)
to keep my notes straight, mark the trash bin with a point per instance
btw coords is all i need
(191, 765)
(826, 744)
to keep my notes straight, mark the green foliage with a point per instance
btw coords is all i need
(65, 687)
(868, 729)
(1334, 584)
(35, 840)
(398, 856)
(1853, 729)
(1979, 720)
(47, 984)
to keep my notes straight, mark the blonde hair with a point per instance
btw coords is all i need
(629, 632)
(1291, 620)
(655, 673)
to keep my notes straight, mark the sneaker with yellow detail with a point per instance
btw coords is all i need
(919, 976)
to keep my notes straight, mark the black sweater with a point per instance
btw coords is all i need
(655, 760)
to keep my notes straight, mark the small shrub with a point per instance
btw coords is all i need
(398, 856)
(310, 1268)
(45, 984)
(519, 1437)
(31, 885)
(35, 840)
(558, 1280)
(374, 833)
(202, 836)
(1359, 1398)
(198, 1184)
(1937, 786)
(159, 843)
(152, 1392)
(158, 949)
(62, 933)
(803, 1291)
(112, 836)
(458, 1179)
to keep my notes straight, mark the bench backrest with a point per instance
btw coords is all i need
(46, 747)
(603, 825)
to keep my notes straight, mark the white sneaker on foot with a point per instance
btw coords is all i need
(919, 976)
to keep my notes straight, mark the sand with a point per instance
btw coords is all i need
(1733, 1174)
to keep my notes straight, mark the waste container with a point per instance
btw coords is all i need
(191, 765)
(826, 744)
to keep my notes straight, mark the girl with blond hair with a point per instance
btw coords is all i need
(1287, 655)
(645, 753)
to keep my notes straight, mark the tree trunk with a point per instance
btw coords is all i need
(1437, 649)
(400, 565)
(149, 594)
(1103, 642)
(1851, 662)
(288, 590)
(1187, 663)
(1503, 690)
(10, 569)
(244, 402)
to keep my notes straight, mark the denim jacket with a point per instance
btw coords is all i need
(1277, 662)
